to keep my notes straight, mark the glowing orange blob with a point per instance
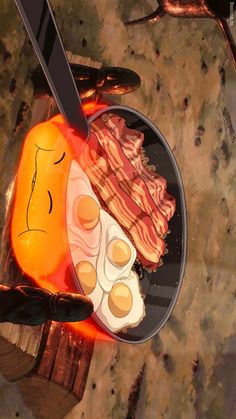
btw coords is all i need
(38, 227)
(38, 223)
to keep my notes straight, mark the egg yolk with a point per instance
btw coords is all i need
(120, 300)
(87, 276)
(86, 211)
(118, 252)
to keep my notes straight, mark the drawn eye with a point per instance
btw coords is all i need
(50, 202)
(60, 160)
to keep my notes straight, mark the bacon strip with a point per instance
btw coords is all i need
(127, 174)
(131, 141)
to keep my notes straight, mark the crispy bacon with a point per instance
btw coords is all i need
(95, 163)
(126, 173)
(131, 141)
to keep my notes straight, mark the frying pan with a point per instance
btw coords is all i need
(160, 289)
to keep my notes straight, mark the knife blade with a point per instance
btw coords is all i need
(41, 27)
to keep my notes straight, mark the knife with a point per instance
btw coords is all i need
(40, 24)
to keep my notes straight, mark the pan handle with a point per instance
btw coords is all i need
(40, 24)
(228, 37)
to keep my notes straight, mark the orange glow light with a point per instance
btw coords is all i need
(92, 107)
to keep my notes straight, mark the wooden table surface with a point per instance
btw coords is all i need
(188, 84)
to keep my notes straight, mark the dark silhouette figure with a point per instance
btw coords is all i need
(34, 306)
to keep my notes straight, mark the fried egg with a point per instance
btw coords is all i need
(117, 254)
(123, 306)
(83, 213)
(93, 234)
(102, 255)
